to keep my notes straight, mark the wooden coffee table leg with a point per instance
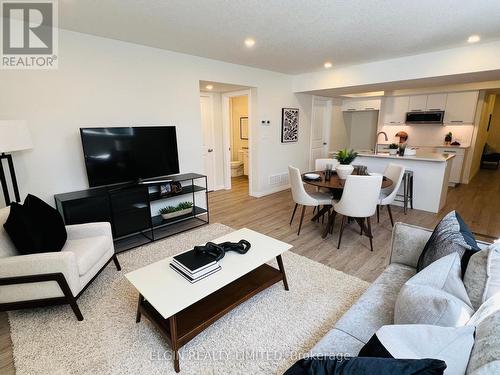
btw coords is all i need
(175, 344)
(138, 316)
(282, 270)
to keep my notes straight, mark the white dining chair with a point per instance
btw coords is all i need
(359, 201)
(395, 172)
(320, 164)
(302, 197)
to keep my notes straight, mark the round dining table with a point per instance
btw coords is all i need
(335, 183)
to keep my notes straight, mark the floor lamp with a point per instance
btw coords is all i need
(14, 136)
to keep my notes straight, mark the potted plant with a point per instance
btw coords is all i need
(448, 137)
(345, 157)
(182, 208)
(393, 149)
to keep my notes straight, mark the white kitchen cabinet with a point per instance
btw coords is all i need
(436, 102)
(351, 105)
(417, 103)
(395, 108)
(458, 161)
(460, 107)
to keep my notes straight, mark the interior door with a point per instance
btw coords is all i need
(320, 129)
(208, 139)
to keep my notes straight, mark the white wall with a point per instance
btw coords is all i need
(103, 82)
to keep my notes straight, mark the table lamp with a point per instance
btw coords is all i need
(14, 136)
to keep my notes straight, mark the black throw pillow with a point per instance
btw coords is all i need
(35, 227)
(366, 366)
(451, 235)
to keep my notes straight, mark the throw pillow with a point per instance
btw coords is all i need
(435, 296)
(486, 350)
(17, 226)
(362, 365)
(35, 227)
(451, 235)
(482, 277)
(449, 344)
(49, 221)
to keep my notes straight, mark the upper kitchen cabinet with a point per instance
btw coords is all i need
(357, 104)
(436, 102)
(395, 108)
(460, 107)
(417, 103)
(432, 102)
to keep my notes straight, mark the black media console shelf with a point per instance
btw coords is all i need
(128, 209)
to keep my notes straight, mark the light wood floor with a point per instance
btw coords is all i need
(477, 202)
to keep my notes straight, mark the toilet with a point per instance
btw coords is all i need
(236, 168)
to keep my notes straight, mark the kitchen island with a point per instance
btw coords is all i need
(431, 173)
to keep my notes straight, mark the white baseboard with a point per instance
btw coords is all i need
(276, 189)
(220, 187)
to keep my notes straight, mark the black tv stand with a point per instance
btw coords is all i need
(128, 208)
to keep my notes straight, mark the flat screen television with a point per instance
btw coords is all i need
(118, 155)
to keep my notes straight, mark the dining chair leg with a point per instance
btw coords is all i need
(341, 231)
(293, 213)
(362, 220)
(390, 214)
(369, 230)
(378, 213)
(301, 219)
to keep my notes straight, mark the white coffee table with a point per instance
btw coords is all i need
(181, 310)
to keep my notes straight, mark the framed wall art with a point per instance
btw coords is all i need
(289, 125)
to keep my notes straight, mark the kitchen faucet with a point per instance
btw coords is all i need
(376, 141)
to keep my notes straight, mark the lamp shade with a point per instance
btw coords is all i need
(14, 136)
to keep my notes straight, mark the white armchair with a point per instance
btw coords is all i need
(54, 278)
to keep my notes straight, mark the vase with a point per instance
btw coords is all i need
(344, 170)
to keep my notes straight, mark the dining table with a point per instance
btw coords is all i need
(335, 183)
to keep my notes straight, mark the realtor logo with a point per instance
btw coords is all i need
(29, 35)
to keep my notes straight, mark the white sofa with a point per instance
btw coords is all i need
(375, 308)
(53, 278)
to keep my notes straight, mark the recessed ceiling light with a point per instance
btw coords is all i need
(209, 87)
(474, 39)
(327, 65)
(249, 42)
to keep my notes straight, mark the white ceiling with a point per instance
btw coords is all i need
(292, 36)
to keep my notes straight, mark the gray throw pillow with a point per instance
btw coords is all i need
(451, 235)
(435, 296)
(482, 277)
(486, 350)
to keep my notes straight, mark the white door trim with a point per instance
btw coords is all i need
(213, 154)
(227, 138)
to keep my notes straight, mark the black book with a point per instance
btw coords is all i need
(189, 278)
(194, 261)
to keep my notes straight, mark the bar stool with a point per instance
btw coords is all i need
(407, 196)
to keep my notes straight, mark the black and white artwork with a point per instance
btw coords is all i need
(289, 125)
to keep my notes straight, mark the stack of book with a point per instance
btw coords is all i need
(194, 266)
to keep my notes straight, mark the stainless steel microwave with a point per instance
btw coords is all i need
(425, 117)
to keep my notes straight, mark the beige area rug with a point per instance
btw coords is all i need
(262, 336)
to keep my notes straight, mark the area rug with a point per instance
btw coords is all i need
(264, 335)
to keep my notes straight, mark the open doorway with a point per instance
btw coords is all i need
(226, 124)
(237, 113)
